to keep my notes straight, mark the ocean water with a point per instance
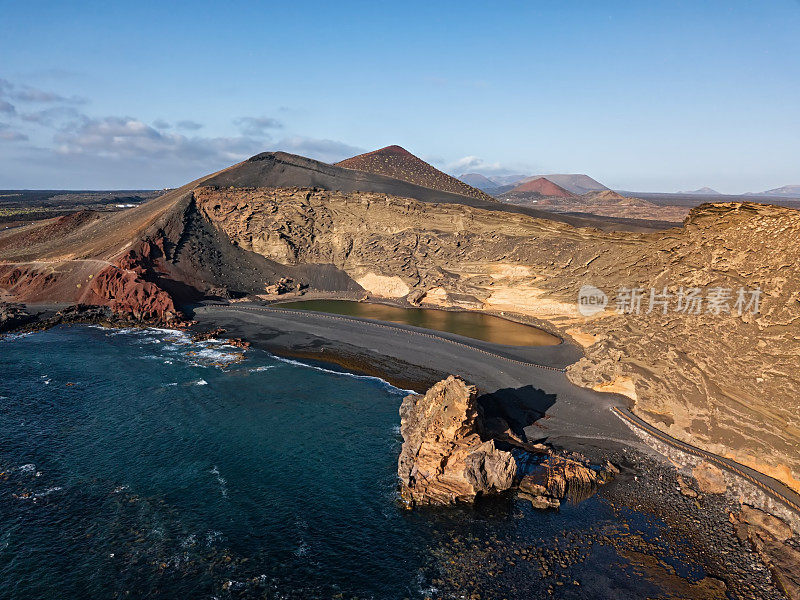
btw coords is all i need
(138, 464)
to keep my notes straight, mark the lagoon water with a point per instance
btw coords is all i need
(470, 324)
(138, 464)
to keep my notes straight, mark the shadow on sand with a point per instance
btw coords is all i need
(518, 407)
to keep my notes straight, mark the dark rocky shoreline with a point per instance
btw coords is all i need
(703, 524)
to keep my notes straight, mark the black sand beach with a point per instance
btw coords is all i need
(537, 399)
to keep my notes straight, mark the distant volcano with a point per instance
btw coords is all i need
(479, 181)
(703, 191)
(787, 191)
(543, 187)
(399, 163)
(577, 183)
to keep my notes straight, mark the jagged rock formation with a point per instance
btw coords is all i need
(561, 476)
(399, 163)
(444, 460)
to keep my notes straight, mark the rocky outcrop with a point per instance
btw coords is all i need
(772, 539)
(710, 479)
(125, 288)
(13, 315)
(561, 476)
(443, 459)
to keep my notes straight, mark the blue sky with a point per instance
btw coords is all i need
(647, 96)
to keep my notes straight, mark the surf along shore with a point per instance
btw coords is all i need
(527, 386)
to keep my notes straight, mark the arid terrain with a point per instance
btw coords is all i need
(18, 207)
(725, 382)
(604, 203)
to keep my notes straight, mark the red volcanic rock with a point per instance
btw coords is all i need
(125, 292)
(125, 288)
(544, 187)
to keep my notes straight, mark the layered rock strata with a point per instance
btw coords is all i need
(722, 380)
(443, 459)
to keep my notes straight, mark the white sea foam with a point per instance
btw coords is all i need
(223, 485)
(177, 345)
(341, 373)
(213, 536)
(201, 382)
(262, 368)
(48, 491)
(15, 336)
(28, 469)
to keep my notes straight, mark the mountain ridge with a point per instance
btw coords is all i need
(397, 162)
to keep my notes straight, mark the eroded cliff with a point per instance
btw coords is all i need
(723, 380)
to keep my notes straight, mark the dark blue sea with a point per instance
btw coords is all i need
(140, 464)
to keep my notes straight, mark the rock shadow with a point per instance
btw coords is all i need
(517, 407)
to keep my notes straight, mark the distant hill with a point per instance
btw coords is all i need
(542, 187)
(787, 191)
(508, 180)
(604, 196)
(703, 191)
(399, 163)
(577, 183)
(479, 181)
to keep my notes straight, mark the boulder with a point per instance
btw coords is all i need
(776, 527)
(538, 494)
(444, 459)
(710, 479)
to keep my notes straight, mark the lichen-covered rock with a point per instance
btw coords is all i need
(444, 460)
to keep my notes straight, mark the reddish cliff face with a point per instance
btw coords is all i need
(123, 287)
(128, 285)
(544, 187)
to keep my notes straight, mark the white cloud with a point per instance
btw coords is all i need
(475, 164)
(127, 137)
(54, 116)
(256, 126)
(26, 93)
